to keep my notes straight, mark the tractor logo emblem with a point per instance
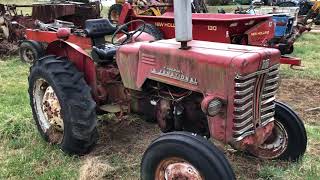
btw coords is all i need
(175, 74)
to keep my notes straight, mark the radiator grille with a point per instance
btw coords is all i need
(254, 101)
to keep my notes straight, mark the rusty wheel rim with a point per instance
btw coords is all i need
(5, 31)
(48, 110)
(28, 55)
(177, 169)
(275, 145)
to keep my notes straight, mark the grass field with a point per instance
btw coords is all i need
(24, 155)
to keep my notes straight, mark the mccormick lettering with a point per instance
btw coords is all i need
(175, 74)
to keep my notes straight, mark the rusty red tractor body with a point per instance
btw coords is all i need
(217, 90)
(255, 30)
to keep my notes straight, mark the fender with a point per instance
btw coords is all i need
(37, 45)
(80, 59)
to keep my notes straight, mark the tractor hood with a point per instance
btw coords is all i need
(206, 67)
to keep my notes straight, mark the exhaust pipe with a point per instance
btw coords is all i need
(183, 22)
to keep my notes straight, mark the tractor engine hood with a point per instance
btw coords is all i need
(207, 67)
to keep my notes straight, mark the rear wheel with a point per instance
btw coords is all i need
(62, 105)
(287, 4)
(182, 155)
(154, 31)
(29, 53)
(288, 140)
(114, 13)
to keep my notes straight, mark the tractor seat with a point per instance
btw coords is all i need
(96, 28)
(104, 53)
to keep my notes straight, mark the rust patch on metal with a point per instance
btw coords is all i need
(274, 145)
(177, 168)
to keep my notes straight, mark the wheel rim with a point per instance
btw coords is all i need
(28, 55)
(48, 110)
(177, 169)
(5, 31)
(275, 145)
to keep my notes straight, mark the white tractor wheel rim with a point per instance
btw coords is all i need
(48, 110)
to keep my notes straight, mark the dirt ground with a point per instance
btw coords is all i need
(122, 143)
(7, 49)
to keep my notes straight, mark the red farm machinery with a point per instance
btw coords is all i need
(45, 17)
(254, 30)
(194, 88)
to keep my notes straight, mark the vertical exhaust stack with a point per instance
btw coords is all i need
(183, 22)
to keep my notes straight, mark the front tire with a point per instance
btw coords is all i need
(62, 105)
(192, 155)
(289, 138)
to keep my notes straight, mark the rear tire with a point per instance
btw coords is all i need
(114, 13)
(153, 31)
(287, 4)
(77, 112)
(29, 53)
(188, 149)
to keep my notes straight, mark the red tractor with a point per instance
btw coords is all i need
(223, 91)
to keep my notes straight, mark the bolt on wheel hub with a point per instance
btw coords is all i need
(275, 145)
(177, 169)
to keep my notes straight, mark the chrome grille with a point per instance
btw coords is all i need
(254, 101)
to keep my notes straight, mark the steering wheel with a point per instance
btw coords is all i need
(129, 35)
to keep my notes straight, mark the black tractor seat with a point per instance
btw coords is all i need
(97, 29)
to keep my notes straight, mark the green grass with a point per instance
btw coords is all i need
(24, 155)
(307, 48)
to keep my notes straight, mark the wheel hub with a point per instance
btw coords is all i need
(52, 109)
(28, 55)
(48, 111)
(275, 145)
(181, 171)
(177, 169)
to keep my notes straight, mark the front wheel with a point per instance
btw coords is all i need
(182, 155)
(288, 140)
(62, 105)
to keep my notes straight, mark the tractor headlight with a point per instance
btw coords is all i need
(214, 107)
